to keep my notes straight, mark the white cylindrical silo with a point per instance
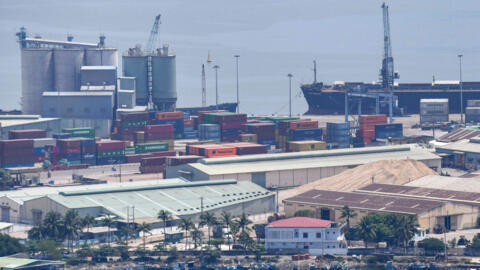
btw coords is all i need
(37, 77)
(67, 65)
(164, 92)
(101, 57)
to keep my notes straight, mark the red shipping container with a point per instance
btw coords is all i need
(137, 157)
(152, 161)
(306, 124)
(15, 144)
(231, 125)
(169, 115)
(72, 150)
(158, 136)
(188, 123)
(231, 118)
(27, 134)
(164, 154)
(152, 169)
(158, 128)
(195, 149)
(110, 145)
(69, 143)
(135, 116)
(230, 138)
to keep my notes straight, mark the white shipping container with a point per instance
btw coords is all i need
(473, 103)
(472, 110)
(42, 142)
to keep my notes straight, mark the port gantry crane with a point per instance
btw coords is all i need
(149, 52)
(387, 76)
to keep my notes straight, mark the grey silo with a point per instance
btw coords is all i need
(164, 91)
(67, 64)
(101, 57)
(136, 66)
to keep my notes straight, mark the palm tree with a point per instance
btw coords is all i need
(108, 221)
(52, 225)
(405, 229)
(144, 228)
(347, 214)
(71, 226)
(244, 222)
(36, 233)
(186, 225)
(209, 220)
(234, 230)
(367, 230)
(197, 236)
(87, 222)
(164, 215)
(227, 221)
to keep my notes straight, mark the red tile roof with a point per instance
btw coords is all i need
(300, 222)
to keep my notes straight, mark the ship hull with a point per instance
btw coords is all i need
(231, 107)
(321, 101)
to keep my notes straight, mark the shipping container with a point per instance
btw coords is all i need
(159, 128)
(26, 134)
(304, 124)
(252, 138)
(152, 161)
(80, 132)
(473, 103)
(151, 147)
(111, 160)
(110, 145)
(135, 116)
(180, 160)
(301, 146)
(61, 135)
(220, 151)
(388, 130)
(169, 115)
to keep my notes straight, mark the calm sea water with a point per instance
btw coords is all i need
(273, 38)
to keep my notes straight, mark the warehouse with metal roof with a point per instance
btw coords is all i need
(448, 182)
(462, 154)
(430, 209)
(183, 200)
(20, 122)
(295, 169)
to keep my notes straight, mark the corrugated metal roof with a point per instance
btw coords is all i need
(300, 222)
(17, 121)
(459, 134)
(179, 199)
(462, 146)
(313, 159)
(357, 200)
(447, 182)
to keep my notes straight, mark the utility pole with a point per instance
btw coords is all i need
(204, 87)
(461, 89)
(290, 94)
(120, 171)
(314, 71)
(238, 91)
(216, 67)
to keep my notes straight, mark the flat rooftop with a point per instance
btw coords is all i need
(447, 182)
(311, 159)
(179, 198)
(373, 202)
(423, 192)
(15, 120)
(471, 145)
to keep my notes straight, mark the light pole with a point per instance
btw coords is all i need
(216, 67)
(461, 89)
(238, 91)
(290, 94)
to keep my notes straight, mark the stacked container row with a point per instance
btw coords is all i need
(338, 134)
(16, 153)
(367, 126)
(264, 132)
(172, 118)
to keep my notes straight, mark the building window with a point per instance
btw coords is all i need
(305, 235)
(319, 235)
(296, 233)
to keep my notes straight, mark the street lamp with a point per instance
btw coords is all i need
(290, 94)
(461, 89)
(216, 67)
(238, 91)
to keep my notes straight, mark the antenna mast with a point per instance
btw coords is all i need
(204, 87)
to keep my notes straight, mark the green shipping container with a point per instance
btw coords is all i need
(110, 153)
(135, 123)
(80, 132)
(129, 151)
(151, 147)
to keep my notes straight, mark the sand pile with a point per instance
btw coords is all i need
(396, 172)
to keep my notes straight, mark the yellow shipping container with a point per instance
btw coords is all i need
(300, 146)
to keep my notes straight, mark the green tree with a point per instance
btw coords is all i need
(50, 249)
(209, 220)
(366, 230)
(52, 225)
(433, 245)
(37, 233)
(475, 243)
(405, 229)
(144, 228)
(71, 226)
(244, 223)
(109, 221)
(165, 216)
(6, 180)
(226, 219)
(234, 230)
(87, 222)
(197, 236)
(9, 245)
(186, 225)
(347, 214)
(304, 213)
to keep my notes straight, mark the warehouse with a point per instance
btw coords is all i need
(448, 182)
(16, 122)
(461, 154)
(294, 169)
(183, 200)
(431, 212)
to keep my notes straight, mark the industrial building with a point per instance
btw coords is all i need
(318, 237)
(447, 182)
(55, 66)
(461, 154)
(295, 169)
(143, 200)
(433, 207)
(19, 122)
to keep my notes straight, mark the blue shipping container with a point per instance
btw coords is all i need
(111, 160)
(388, 130)
(16, 165)
(39, 151)
(267, 141)
(89, 161)
(88, 142)
(307, 134)
(70, 157)
(61, 135)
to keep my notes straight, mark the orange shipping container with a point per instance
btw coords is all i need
(169, 115)
(195, 149)
(220, 151)
(303, 124)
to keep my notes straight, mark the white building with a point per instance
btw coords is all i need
(317, 236)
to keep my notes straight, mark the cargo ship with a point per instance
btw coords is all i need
(231, 107)
(330, 99)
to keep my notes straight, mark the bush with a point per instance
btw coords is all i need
(216, 242)
(433, 245)
(376, 259)
(9, 245)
